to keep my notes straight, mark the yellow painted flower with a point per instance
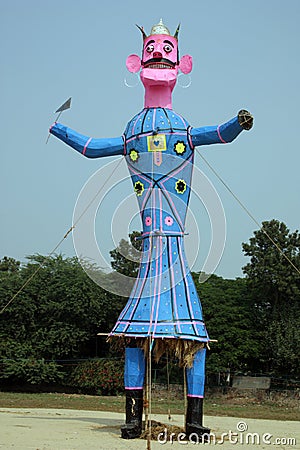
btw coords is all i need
(180, 147)
(139, 188)
(133, 155)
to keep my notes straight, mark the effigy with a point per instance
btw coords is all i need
(163, 312)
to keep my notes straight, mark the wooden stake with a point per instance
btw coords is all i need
(184, 395)
(149, 394)
(146, 396)
(168, 381)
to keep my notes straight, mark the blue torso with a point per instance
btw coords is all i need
(159, 157)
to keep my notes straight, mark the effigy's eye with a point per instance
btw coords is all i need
(150, 48)
(167, 48)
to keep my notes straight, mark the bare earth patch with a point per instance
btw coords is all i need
(63, 429)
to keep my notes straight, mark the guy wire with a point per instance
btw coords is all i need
(40, 264)
(249, 214)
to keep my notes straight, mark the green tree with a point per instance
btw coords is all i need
(274, 286)
(8, 264)
(56, 316)
(126, 257)
(269, 273)
(227, 317)
(125, 261)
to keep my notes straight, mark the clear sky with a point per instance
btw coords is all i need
(246, 55)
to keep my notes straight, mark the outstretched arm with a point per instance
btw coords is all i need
(222, 133)
(89, 147)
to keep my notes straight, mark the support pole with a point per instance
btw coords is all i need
(168, 392)
(184, 396)
(147, 394)
(149, 367)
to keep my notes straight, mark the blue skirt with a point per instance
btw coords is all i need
(164, 302)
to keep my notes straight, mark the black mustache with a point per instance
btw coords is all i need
(158, 60)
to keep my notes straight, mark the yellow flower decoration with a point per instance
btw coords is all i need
(134, 155)
(139, 188)
(180, 186)
(180, 147)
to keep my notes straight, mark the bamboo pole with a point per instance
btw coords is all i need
(147, 394)
(184, 395)
(168, 381)
(149, 365)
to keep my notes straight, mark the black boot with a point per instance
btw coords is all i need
(134, 414)
(195, 431)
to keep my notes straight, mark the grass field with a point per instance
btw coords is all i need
(235, 406)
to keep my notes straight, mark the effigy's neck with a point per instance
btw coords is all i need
(158, 97)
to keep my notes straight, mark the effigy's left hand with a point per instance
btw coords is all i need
(245, 119)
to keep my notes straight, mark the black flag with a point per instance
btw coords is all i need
(62, 108)
(65, 106)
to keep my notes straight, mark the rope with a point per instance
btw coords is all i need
(168, 387)
(61, 240)
(34, 273)
(250, 215)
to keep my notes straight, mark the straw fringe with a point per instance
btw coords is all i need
(181, 349)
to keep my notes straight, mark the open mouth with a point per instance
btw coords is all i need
(159, 63)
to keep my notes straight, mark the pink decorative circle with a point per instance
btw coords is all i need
(169, 221)
(148, 221)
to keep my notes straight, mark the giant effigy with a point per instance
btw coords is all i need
(163, 312)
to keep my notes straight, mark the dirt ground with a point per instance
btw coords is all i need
(60, 429)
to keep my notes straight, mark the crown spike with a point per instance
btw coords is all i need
(177, 31)
(142, 31)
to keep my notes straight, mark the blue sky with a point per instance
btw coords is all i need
(246, 55)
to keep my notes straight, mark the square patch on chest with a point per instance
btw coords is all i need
(156, 143)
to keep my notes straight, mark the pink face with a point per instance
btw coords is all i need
(160, 59)
(160, 52)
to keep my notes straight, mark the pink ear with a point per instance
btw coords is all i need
(186, 64)
(133, 63)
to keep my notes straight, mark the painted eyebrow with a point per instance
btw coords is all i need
(149, 42)
(168, 42)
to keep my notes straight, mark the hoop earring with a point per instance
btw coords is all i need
(188, 77)
(131, 80)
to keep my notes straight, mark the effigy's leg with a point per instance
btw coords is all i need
(195, 392)
(134, 383)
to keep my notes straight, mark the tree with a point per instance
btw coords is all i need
(274, 285)
(56, 316)
(9, 265)
(126, 257)
(227, 316)
(282, 340)
(274, 280)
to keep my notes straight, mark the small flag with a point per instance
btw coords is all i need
(62, 108)
(65, 106)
